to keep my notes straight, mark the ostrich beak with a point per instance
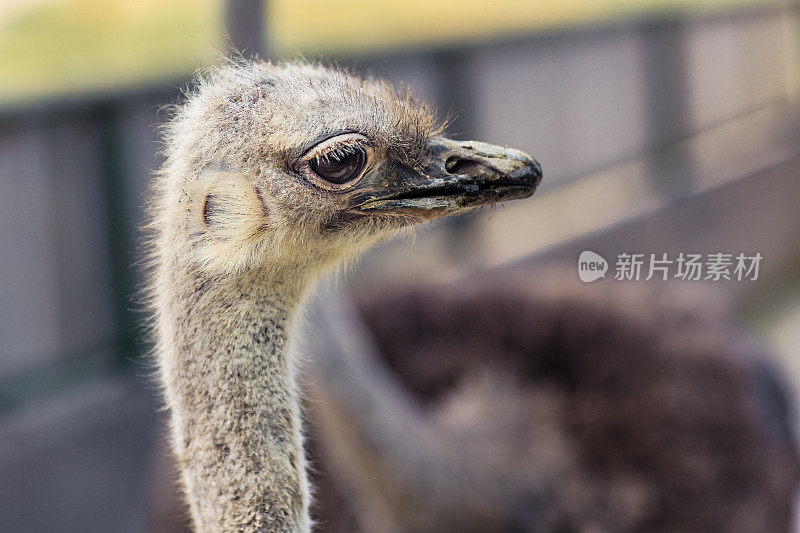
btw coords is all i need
(456, 177)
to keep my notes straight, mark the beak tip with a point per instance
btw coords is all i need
(530, 173)
(537, 171)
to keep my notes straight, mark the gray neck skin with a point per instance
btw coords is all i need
(235, 409)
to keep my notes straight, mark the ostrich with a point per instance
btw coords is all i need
(274, 175)
(522, 400)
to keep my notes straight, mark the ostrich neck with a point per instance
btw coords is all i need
(235, 410)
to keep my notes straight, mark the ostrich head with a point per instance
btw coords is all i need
(299, 166)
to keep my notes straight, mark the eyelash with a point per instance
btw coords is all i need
(341, 144)
(337, 151)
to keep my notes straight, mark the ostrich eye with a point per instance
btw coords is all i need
(339, 165)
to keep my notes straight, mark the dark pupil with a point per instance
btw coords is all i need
(339, 167)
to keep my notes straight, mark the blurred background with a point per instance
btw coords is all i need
(663, 126)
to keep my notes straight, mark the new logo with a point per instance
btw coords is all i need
(591, 266)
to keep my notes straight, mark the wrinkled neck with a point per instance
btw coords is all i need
(230, 384)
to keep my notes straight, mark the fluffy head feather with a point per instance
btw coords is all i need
(229, 196)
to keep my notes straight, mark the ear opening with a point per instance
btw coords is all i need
(226, 217)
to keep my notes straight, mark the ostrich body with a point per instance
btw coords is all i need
(274, 175)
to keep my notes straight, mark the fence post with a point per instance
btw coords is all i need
(121, 242)
(245, 22)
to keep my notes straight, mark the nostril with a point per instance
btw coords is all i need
(460, 165)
